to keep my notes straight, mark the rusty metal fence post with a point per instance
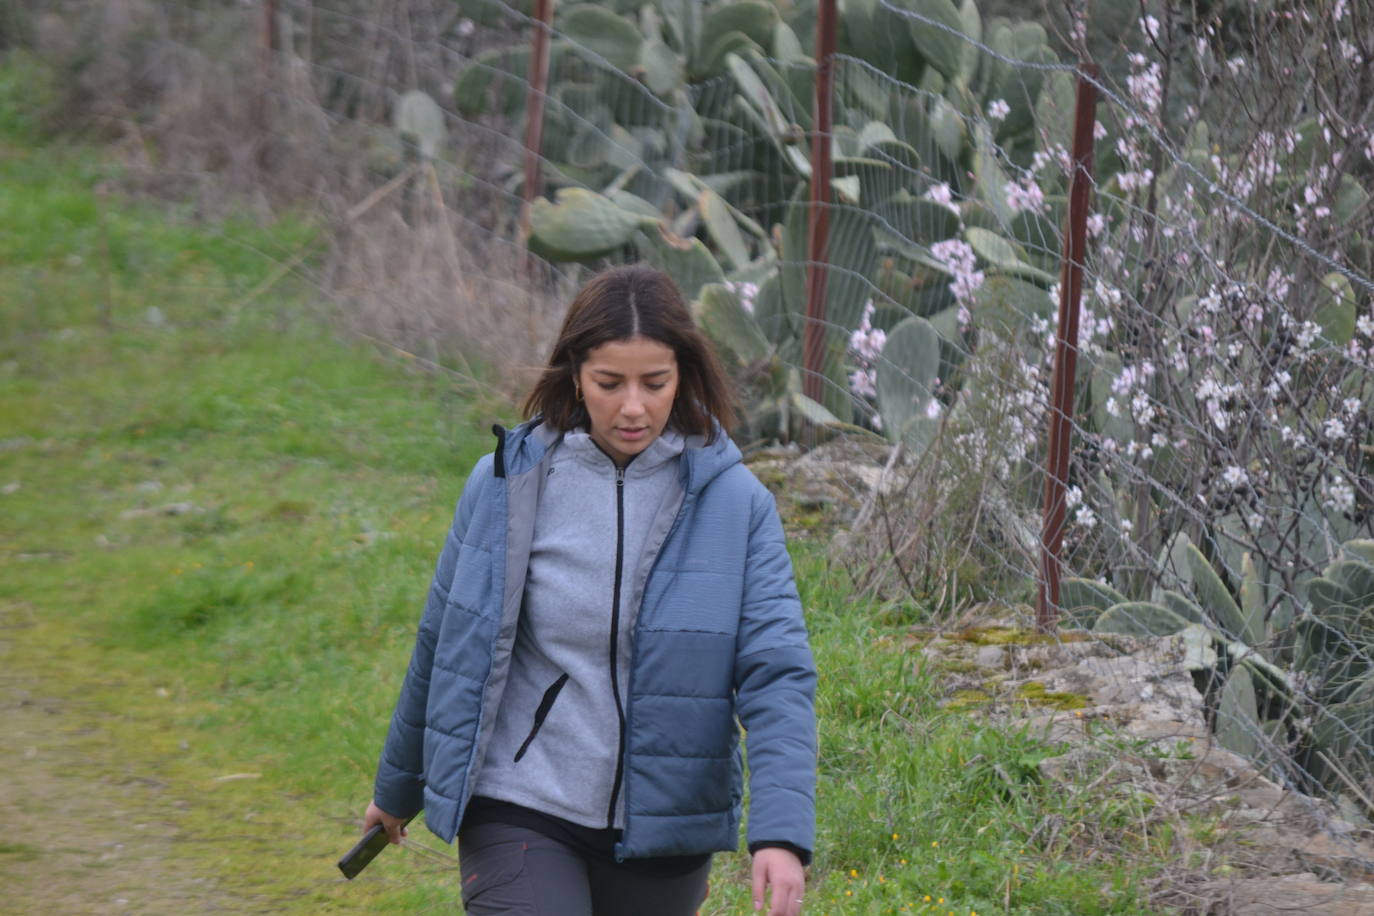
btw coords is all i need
(818, 221)
(1066, 349)
(534, 111)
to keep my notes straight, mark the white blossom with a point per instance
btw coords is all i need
(1340, 496)
(1073, 496)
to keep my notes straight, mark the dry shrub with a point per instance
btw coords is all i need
(417, 256)
(448, 291)
(201, 113)
(946, 527)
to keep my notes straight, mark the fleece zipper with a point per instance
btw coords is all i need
(615, 642)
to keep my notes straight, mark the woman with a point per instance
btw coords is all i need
(615, 590)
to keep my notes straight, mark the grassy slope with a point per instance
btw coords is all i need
(266, 631)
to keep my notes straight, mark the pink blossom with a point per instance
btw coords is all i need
(1025, 195)
(957, 256)
(998, 109)
(942, 194)
(864, 383)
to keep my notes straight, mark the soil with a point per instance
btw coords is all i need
(88, 830)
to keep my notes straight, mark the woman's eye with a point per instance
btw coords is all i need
(658, 387)
(606, 386)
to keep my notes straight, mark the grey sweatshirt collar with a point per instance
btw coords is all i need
(664, 448)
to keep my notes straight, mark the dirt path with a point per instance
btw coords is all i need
(87, 831)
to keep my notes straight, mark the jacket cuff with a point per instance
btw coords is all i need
(401, 795)
(803, 854)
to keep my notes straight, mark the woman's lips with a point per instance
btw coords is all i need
(632, 434)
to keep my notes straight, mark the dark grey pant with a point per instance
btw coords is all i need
(513, 871)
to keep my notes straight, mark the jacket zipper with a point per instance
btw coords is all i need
(615, 642)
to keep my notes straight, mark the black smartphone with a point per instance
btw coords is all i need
(364, 851)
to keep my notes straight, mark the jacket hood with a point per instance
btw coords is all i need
(522, 447)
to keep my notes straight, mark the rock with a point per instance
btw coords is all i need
(1283, 895)
(1144, 733)
(990, 657)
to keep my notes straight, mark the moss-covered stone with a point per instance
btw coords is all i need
(1035, 692)
(969, 698)
(1002, 636)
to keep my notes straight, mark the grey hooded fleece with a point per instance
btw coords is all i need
(558, 739)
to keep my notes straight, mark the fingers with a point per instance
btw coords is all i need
(394, 826)
(372, 818)
(394, 829)
(782, 875)
(760, 879)
(786, 898)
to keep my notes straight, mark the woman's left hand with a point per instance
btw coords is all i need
(780, 870)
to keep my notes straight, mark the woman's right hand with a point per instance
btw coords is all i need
(394, 826)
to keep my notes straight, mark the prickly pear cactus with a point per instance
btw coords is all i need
(906, 378)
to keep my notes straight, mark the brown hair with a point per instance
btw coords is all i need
(620, 304)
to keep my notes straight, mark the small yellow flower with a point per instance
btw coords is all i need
(896, 836)
(853, 873)
(934, 844)
(882, 880)
(902, 861)
(249, 564)
(927, 898)
(941, 900)
(849, 893)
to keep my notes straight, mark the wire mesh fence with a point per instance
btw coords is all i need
(1219, 488)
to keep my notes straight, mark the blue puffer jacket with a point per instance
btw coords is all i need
(719, 635)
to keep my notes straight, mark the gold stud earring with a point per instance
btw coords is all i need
(577, 391)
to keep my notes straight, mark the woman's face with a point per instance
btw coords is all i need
(628, 386)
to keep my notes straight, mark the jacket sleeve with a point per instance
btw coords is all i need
(399, 789)
(775, 689)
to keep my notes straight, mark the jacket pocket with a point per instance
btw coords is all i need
(542, 713)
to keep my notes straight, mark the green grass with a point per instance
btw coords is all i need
(265, 630)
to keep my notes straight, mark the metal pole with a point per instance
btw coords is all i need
(267, 61)
(818, 222)
(1066, 348)
(534, 110)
